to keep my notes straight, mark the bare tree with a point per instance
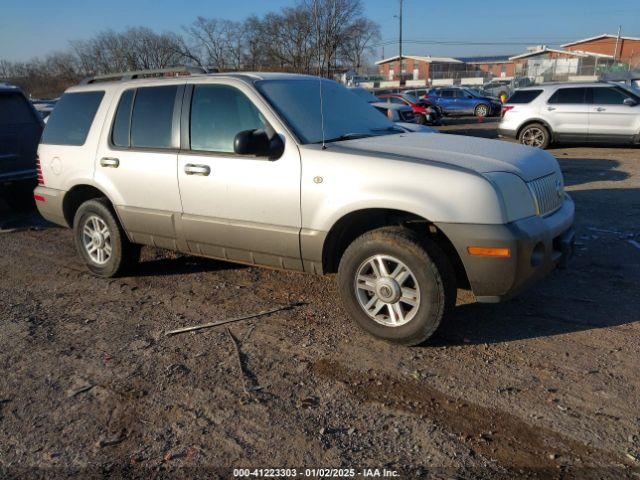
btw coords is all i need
(311, 37)
(357, 43)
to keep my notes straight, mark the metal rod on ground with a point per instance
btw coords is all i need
(236, 346)
(230, 320)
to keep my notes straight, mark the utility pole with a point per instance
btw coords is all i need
(400, 42)
(615, 52)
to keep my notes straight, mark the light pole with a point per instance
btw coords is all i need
(400, 42)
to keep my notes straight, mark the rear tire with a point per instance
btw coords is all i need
(482, 111)
(101, 241)
(396, 284)
(535, 135)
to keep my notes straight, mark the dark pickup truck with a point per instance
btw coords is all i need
(20, 130)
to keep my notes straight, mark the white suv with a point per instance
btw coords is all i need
(256, 169)
(572, 112)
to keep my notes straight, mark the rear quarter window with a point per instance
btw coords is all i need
(15, 109)
(71, 120)
(524, 96)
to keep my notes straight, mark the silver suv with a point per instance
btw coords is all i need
(572, 112)
(257, 169)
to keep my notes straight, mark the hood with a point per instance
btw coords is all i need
(477, 154)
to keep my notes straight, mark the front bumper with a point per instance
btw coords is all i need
(537, 246)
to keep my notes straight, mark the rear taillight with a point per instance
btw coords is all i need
(506, 108)
(39, 171)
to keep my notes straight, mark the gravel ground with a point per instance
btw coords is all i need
(543, 386)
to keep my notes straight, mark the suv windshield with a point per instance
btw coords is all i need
(346, 115)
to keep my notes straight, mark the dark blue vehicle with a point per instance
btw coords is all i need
(463, 101)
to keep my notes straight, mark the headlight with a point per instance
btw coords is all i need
(516, 197)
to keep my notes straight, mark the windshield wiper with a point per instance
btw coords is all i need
(392, 128)
(347, 136)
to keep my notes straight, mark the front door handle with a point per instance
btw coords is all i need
(109, 162)
(551, 109)
(191, 169)
(600, 109)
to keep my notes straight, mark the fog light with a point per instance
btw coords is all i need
(538, 254)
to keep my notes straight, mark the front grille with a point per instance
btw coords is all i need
(548, 193)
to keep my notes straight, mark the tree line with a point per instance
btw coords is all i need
(313, 36)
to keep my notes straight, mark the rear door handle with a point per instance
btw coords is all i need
(551, 109)
(191, 169)
(600, 109)
(109, 162)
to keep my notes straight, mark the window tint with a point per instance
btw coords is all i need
(14, 108)
(608, 96)
(218, 114)
(121, 124)
(70, 121)
(152, 117)
(446, 93)
(569, 95)
(524, 96)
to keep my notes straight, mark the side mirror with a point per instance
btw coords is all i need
(258, 143)
(630, 102)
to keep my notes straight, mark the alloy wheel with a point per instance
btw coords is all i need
(96, 239)
(387, 290)
(533, 137)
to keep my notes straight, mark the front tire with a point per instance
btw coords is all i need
(101, 241)
(396, 284)
(535, 135)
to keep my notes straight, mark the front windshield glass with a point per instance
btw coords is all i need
(471, 92)
(346, 115)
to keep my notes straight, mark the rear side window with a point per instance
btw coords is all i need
(15, 109)
(122, 122)
(569, 95)
(152, 117)
(524, 96)
(71, 120)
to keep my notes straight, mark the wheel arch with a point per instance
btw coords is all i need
(77, 195)
(353, 224)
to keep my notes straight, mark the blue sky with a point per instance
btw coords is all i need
(37, 27)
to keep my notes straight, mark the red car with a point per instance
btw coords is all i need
(428, 114)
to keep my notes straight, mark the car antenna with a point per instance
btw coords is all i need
(315, 11)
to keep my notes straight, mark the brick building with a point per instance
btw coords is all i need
(623, 49)
(418, 68)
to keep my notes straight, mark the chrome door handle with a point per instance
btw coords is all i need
(191, 169)
(109, 162)
(551, 109)
(600, 109)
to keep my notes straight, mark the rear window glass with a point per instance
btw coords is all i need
(71, 120)
(524, 96)
(569, 95)
(120, 132)
(152, 118)
(14, 108)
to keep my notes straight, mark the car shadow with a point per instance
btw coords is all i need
(578, 171)
(26, 218)
(181, 265)
(598, 290)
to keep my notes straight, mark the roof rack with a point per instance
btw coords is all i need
(160, 72)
